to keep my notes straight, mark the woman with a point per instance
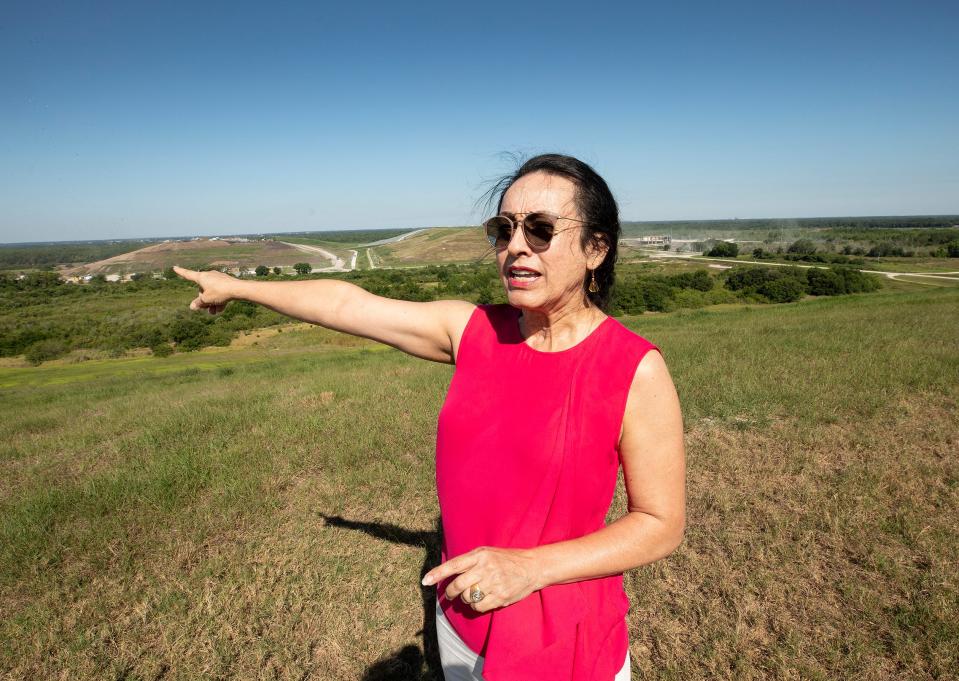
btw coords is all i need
(549, 396)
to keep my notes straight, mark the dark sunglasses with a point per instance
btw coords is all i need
(538, 228)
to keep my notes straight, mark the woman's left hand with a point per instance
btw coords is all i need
(503, 575)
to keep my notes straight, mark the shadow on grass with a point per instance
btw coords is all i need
(421, 663)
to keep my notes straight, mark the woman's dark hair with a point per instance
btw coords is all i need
(596, 206)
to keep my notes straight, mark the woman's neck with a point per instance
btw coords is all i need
(563, 327)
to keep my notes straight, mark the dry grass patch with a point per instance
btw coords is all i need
(825, 552)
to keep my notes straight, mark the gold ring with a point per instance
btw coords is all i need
(476, 595)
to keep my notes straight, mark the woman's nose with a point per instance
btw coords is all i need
(517, 241)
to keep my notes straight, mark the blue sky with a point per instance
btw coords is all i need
(132, 120)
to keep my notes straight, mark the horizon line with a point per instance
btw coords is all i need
(411, 229)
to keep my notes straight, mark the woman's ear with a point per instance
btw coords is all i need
(596, 250)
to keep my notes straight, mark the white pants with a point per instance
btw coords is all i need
(462, 664)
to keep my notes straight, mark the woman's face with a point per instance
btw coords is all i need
(563, 265)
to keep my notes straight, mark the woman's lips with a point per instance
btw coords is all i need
(522, 282)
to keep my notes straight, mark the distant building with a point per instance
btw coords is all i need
(659, 239)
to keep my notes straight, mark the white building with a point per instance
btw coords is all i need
(658, 239)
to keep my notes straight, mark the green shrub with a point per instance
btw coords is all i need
(44, 350)
(855, 281)
(699, 280)
(690, 298)
(825, 282)
(217, 335)
(238, 308)
(724, 249)
(783, 290)
(626, 299)
(484, 297)
(189, 329)
(749, 278)
(658, 296)
(720, 296)
(802, 247)
(764, 284)
(161, 350)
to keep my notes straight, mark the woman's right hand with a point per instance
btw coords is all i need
(216, 289)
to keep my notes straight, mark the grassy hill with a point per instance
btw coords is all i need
(439, 245)
(266, 510)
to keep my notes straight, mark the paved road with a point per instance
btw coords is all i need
(394, 239)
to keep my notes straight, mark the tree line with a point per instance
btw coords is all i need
(945, 246)
(855, 223)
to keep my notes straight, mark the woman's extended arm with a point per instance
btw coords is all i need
(653, 458)
(428, 330)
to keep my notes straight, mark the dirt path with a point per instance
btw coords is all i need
(337, 263)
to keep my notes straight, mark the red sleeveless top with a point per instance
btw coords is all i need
(526, 455)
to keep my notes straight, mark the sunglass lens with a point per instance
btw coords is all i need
(499, 230)
(539, 230)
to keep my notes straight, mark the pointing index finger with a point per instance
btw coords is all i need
(185, 273)
(455, 566)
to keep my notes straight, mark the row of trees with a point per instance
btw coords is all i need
(48, 255)
(300, 268)
(787, 284)
(806, 250)
(634, 295)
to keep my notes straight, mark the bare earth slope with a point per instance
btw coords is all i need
(217, 252)
(439, 245)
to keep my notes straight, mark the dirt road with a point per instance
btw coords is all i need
(337, 263)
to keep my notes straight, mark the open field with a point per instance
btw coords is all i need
(266, 511)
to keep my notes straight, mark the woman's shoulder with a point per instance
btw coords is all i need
(486, 328)
(623, 335)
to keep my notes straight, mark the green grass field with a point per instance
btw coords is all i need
(266, 511)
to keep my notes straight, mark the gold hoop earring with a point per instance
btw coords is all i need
(593, 287)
